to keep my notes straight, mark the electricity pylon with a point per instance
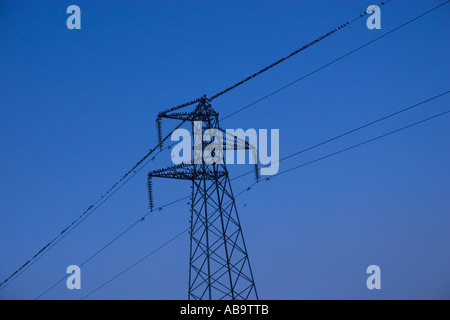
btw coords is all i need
(219, 266)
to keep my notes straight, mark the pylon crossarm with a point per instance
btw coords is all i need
(164, 113)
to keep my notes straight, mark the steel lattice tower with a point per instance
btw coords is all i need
(219, 266)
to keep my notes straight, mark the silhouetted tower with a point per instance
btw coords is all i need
(219, 266)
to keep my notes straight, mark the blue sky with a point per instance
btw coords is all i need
(77, 110)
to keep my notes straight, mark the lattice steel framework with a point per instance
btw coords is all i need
(219, 266)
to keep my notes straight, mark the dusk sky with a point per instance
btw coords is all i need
(78, 110)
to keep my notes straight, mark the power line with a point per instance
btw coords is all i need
(139, 261)
(364, 142)
(142, 219)
(91, 209)
(345, 149)
(333, 62)
(326, 35)
(136, 263)
(353, 130)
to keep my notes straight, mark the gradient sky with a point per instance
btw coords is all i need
(77, 111)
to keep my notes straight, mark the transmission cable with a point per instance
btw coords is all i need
(136, 263)
(334, 61)
(306, 46)
(91, 209)
(352, 131)
(142, 219)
